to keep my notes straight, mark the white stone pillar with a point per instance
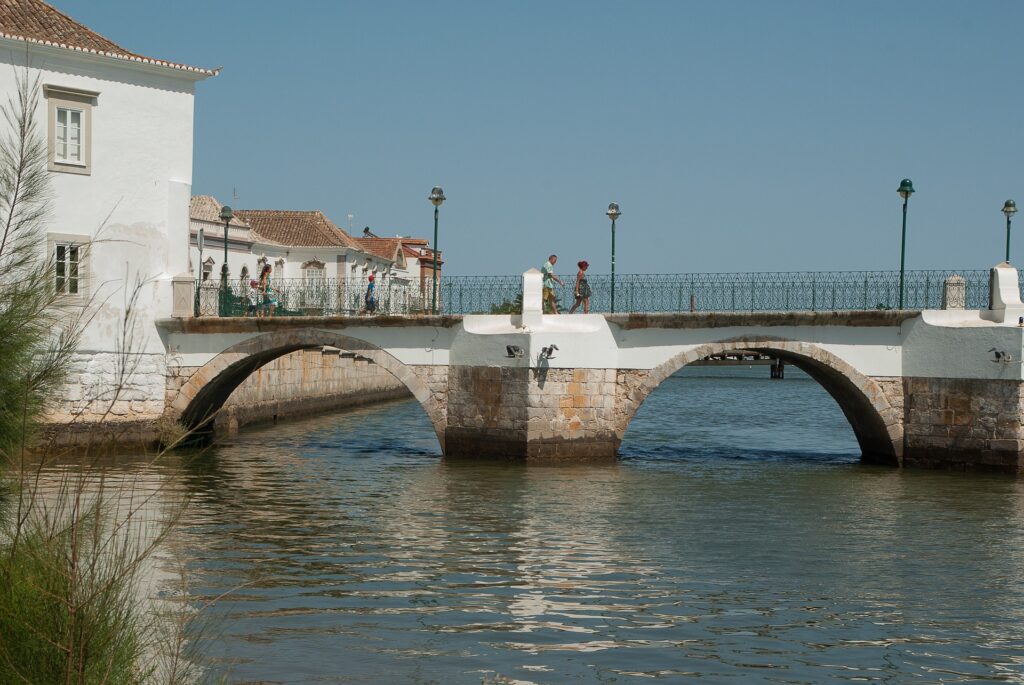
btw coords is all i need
(1004, 294)
(954, 292)
(183, 296)
(533, 306)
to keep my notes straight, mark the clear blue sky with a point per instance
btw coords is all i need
(734, 135)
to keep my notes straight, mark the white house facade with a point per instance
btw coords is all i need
(119, 130)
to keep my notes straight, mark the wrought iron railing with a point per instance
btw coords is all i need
(753, 291)
(307, 297)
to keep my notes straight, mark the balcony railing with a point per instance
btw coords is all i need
(706, 292)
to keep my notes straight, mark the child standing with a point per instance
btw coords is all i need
(254, 298)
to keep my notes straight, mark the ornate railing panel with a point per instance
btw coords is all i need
(306, 297)
(707, 292)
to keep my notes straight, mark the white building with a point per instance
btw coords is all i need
(317, 266)
(413, 267)
(118, 128)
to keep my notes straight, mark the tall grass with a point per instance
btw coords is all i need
(75, 546)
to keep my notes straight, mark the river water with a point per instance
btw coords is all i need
(737, 540)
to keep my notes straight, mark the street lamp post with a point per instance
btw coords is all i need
(905, 191)
(436, 198)
(1009, 209)
(613, 214)
(225, 216)
(200, 240)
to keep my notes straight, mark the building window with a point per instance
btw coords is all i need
(207, 268)
(67, 258)
(70, 129)
(68, 253)
(313, 271)
(67, 143)
(244, 277)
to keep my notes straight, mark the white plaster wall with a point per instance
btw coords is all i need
(589, 341)
(585, 341)
(338, 262)
(872, 351)
(134, 202)
(962, 351)
(239, 254)
(420, 345)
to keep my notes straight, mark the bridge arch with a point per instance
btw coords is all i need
(877, 425)
(207, 389)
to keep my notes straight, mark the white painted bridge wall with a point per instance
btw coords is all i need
(914, 348)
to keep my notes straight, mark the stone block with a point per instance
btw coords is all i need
(964, 418)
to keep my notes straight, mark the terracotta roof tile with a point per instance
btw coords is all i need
(299, 229)
(388, 248)
(37, 22)
(207, 208)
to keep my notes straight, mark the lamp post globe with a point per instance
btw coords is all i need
(225, 215)
(905, 190)
(1009, 209)
(613, 214)
(436, 197)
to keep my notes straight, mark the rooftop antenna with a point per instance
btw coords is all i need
(234, 196)
(350, 217)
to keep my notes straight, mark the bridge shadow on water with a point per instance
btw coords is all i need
(738, 413)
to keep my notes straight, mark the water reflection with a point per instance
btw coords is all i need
(352, 552)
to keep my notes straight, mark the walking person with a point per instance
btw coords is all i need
(370, 299)
(549, 283)
(582, 289)
(267, 292)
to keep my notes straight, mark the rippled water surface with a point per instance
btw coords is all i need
(737, 540)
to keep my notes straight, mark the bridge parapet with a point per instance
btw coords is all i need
(706, 292)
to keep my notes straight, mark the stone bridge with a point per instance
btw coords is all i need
(924, 388)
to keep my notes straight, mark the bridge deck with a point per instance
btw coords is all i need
(855, 318)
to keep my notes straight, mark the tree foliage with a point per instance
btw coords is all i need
(37, 335)
(514, 306)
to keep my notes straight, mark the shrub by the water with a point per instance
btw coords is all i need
(67, 618)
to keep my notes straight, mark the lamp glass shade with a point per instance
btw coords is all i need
(613, 211)
(226, 213)
(1009, 208)
(906, 188)
(437, 196)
